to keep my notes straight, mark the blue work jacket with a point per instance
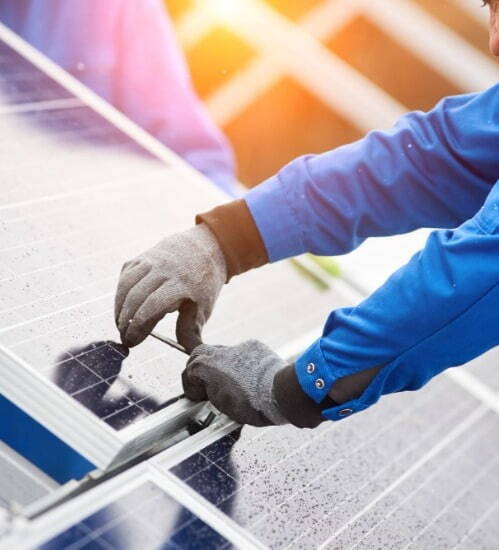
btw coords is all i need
(438, 169)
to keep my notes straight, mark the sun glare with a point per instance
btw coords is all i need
(225, 9)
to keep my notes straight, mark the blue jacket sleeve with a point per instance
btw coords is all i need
(438, 311)
(430, 170)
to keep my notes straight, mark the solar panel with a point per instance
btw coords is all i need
(143, 515)
(146, 517)
(83, 191)
(418, 471)
(79, 198)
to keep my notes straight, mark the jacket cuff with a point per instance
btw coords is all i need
(349, 393)
(238, 236)
(294, 403)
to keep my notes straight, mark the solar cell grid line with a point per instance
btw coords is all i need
(484, 532)
(375, 519)
(484, 369)
(452, 517)
(449, 438)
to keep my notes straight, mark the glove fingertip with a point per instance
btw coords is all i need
(132, 337)
(190, 341)
(194, 388)
(199, 350)
(188, 328)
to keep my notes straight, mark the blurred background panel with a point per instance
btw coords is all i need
(283, 123)
(463, 17)
(216, 58)
(390, 64)
(285, 78)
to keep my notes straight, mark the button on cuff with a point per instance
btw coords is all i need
(313, 373)
(319, 384)
(344, 411)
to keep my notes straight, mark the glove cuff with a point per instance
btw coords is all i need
(268, 404)
(238, 236)
(299, 409)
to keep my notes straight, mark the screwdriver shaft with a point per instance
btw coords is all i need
(169, 342)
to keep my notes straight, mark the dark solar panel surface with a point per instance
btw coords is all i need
(146, 518)
(408, 473)
(79, 198)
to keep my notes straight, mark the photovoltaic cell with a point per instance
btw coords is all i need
(145, 518)
(408, 473)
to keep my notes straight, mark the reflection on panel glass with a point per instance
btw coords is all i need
(146, 518)
(300, 488)
(19, 83)
(89, 375)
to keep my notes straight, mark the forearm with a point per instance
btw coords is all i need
(431, 170)
(438, 311)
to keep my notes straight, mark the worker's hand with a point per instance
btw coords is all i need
(183, 273)
(238, 380)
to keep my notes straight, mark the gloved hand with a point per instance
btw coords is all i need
(238, 380)
(183, 272)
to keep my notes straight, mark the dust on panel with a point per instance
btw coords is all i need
(400, 473)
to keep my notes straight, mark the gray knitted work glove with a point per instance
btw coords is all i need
(238, 380)
(185, 273)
